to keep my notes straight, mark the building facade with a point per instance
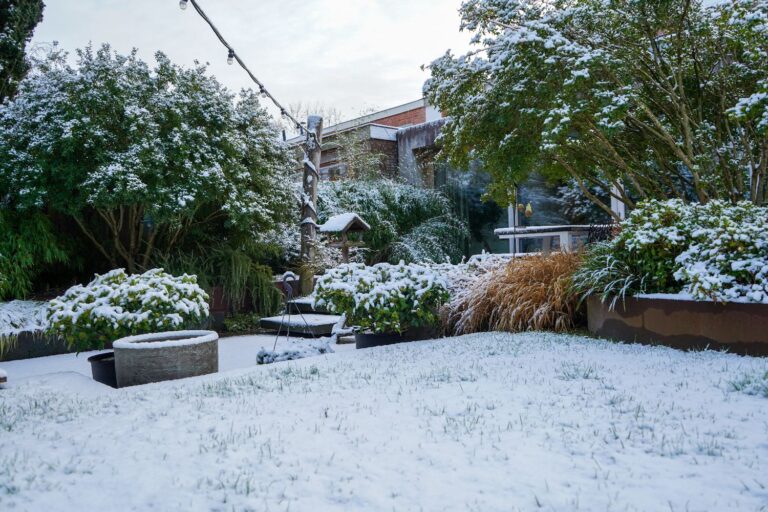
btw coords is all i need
(405, 140)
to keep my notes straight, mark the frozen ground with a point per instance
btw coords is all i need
(482, 422)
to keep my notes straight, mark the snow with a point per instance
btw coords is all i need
(309, 348)
(175, 339)
(687, 296)
(309, 220)
(481, 422)
(299, 320)
(309, 164)
(235, 352)
(339, 223)
(22, 315)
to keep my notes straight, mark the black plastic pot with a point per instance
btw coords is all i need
(103, 368)
(369, 340)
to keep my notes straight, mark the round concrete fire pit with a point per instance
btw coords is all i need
(165, 356)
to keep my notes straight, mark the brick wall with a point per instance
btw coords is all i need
(415, 116)
(388, 150)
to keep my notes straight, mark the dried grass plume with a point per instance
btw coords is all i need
(529, 293)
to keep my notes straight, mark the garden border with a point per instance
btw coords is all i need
(686, 324)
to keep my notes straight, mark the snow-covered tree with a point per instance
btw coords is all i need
(663, 98)
(139, 157)
(18, 19)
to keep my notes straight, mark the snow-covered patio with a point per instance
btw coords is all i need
(70, 370)
(481, 422)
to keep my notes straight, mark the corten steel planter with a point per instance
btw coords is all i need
(370, 340)
(103, 368)
(685, 324)
(165, 356)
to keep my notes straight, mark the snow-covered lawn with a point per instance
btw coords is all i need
(481, 422)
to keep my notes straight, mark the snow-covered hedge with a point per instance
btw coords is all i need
(115, 305)
(383, 298)
(727, 259)
(715, 251)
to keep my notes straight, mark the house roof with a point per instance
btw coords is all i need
(368, 120)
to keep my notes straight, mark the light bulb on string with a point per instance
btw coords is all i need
(183, 4)
(263, 92)
(231, 57)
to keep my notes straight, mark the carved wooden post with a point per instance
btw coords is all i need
(312, 153)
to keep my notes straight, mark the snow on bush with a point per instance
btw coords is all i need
(115, 305)
(134, 142)
(23, 315)
(408, 223)
(728, 258)
(715, 251)
(383, 298)
(460, 277)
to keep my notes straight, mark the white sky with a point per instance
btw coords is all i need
(354, 55)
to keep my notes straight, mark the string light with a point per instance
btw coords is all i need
(232, 57)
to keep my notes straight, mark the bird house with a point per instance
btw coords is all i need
(339, 227)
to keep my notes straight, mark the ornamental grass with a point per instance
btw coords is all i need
(529, 293)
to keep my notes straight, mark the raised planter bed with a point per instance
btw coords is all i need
(686, 324)
(29, 344)
(165, 356)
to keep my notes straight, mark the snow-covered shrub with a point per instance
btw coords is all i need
(23, 315)
(652, 237)
(641, 258)
(716, 251)
(117, 304)
(286, 238)
(383, 298)
(727, 259)
(407, 223)
(141, 159)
